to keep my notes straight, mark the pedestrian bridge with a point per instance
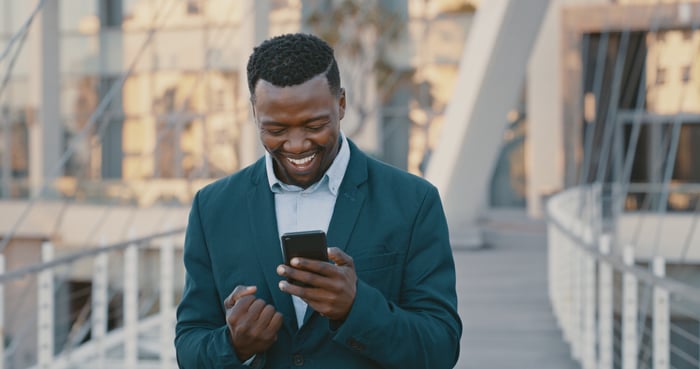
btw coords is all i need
(563, 293)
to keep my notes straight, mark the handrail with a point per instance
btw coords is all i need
(673, 286)
(136, 320)
(140, 242)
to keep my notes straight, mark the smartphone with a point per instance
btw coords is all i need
(307, 244)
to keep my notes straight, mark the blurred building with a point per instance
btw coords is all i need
(182, 113)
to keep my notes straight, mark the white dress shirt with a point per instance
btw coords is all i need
(299, 209)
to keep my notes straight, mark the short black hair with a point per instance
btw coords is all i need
(292, 59)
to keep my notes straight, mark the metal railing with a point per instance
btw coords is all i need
(616, 311)
(127, 301)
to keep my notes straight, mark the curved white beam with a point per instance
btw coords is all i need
(491, 74)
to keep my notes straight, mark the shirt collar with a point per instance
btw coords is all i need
(333, 176)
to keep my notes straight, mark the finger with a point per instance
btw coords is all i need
(276, 322)
(237, 293)
(308, 277)
(315, 266)
(266, 315)
(240, 309)
(306, 293)
(339, 257)
(292, 289)
(255, 309)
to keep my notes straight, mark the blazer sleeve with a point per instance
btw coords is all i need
(202, 339)
(423, 329)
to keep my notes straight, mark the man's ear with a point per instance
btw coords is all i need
(341, 104)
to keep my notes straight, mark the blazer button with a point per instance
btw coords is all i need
(298, 360)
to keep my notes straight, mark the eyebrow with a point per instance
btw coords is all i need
(305, 122)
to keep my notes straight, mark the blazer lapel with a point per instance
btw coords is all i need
(263, 221)
(348, 204)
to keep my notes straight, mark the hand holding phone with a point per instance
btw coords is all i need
(307, 244)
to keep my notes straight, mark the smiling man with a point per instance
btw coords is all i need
(387, 297)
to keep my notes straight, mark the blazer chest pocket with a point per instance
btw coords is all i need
(382, 271)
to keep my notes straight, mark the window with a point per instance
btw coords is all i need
(685, 73)
(194, 7)
(660, 76)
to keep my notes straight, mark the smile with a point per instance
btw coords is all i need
(302, 161)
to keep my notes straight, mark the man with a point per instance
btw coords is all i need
(387, 298)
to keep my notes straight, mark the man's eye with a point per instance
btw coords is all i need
(275, 131)
(315, 128)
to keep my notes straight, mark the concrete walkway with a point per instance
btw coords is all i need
(503, 302)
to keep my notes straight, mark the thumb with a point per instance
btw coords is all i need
(339, 257)
(237, 293)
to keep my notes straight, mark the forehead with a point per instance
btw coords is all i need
(315, 89)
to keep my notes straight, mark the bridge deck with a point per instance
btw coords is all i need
(503, 301)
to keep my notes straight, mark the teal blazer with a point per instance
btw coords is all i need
(392, 224)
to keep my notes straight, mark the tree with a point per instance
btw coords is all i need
(365, 35)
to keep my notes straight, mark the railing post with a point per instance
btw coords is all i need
(100, 304)
(577, 301)
(555, 244)
(661, 318)
(605, 307)
(131, 291)
(588, 350)
(552, 244)
(567, 290)
(2, 314)
(629, 313)
(45, 317)
(167, 258)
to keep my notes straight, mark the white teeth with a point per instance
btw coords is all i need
(303, 161)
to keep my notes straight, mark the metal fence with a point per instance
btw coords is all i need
(120, 315)
(615, 310)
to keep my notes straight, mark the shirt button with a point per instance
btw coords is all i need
(298, 360)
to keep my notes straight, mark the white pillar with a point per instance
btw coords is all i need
(6, 164)
(661, 320)
(131, 301)
(605, 307)
(491, 74)
(6, 172)
(253, 30)
(629, 313)
(100, 305)
(167, 258)
(46, 132)
(45, 319)
(545, 148)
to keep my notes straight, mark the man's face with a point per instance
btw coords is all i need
(299, 126)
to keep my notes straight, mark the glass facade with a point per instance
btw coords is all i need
(178, 113)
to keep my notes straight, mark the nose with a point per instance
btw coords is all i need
(297, 142)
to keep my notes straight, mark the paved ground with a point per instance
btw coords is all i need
(503, 302)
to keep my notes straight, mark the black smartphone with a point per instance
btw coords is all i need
(307, 244)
